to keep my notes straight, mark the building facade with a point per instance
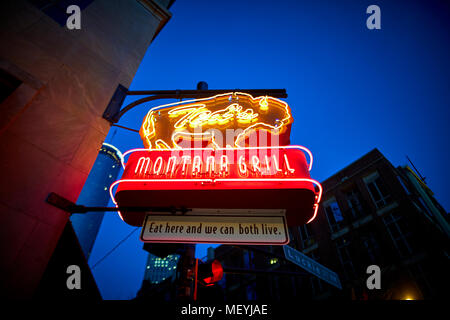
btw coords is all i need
(166, 272)
(56, 84)
(371, 214)
(375, 214)
(95, 193)
(159, 269)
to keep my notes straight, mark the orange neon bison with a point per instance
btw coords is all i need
(225, 120)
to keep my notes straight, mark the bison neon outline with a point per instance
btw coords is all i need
(167, 126)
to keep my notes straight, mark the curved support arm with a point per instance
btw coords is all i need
(185, 94)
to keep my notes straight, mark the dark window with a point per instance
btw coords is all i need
(403, 185)
(399, 232)
(251, 291)
(8, 83)
(425, 207)
(343, 250)
(370, 245)
(249, 259)
(306, 239)
(354, 203)
(378, 190)
(334, 215)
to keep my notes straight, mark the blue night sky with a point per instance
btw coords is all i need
(350, 89)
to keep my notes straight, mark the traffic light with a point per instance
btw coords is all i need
(209, 273)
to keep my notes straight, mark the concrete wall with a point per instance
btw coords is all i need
(51, 127)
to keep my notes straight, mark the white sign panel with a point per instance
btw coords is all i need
(227, 229)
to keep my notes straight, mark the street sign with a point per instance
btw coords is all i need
(225, 229)
(312, 266)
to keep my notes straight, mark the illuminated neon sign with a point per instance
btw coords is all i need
(191, 160)
(192, 166)
(252, 178)
(170, 125)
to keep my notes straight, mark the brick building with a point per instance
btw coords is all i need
(371, 214)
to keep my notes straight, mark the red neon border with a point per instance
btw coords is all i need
(316, 203)
(308, 152)
(317, 198)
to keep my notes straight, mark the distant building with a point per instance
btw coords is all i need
(237, 286)
(160, 278)
(95, 192)
(159, 269)
(252, 275)
(165, 277)
(371, 214)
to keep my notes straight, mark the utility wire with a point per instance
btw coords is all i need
(126, 128)
(115, 247)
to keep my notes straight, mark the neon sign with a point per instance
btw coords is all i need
(167, 126)
(190, 167)
(266, 178)
(191, 161)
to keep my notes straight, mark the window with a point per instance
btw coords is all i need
(399, 232)
(403, 185)
(248, 259)
(425, 207)
(273, 261)
(343, 250)
(377, 190)
(306, 239)
(334, 215)
(251, 291)
(372, 249)
(8, 83)
(354, 203)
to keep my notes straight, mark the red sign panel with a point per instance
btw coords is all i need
(245, 178)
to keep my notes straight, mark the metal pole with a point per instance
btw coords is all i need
(420, 176)
(277, 93)
(185, 94)
(70, 207)
(195, 279)
(185, 282)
